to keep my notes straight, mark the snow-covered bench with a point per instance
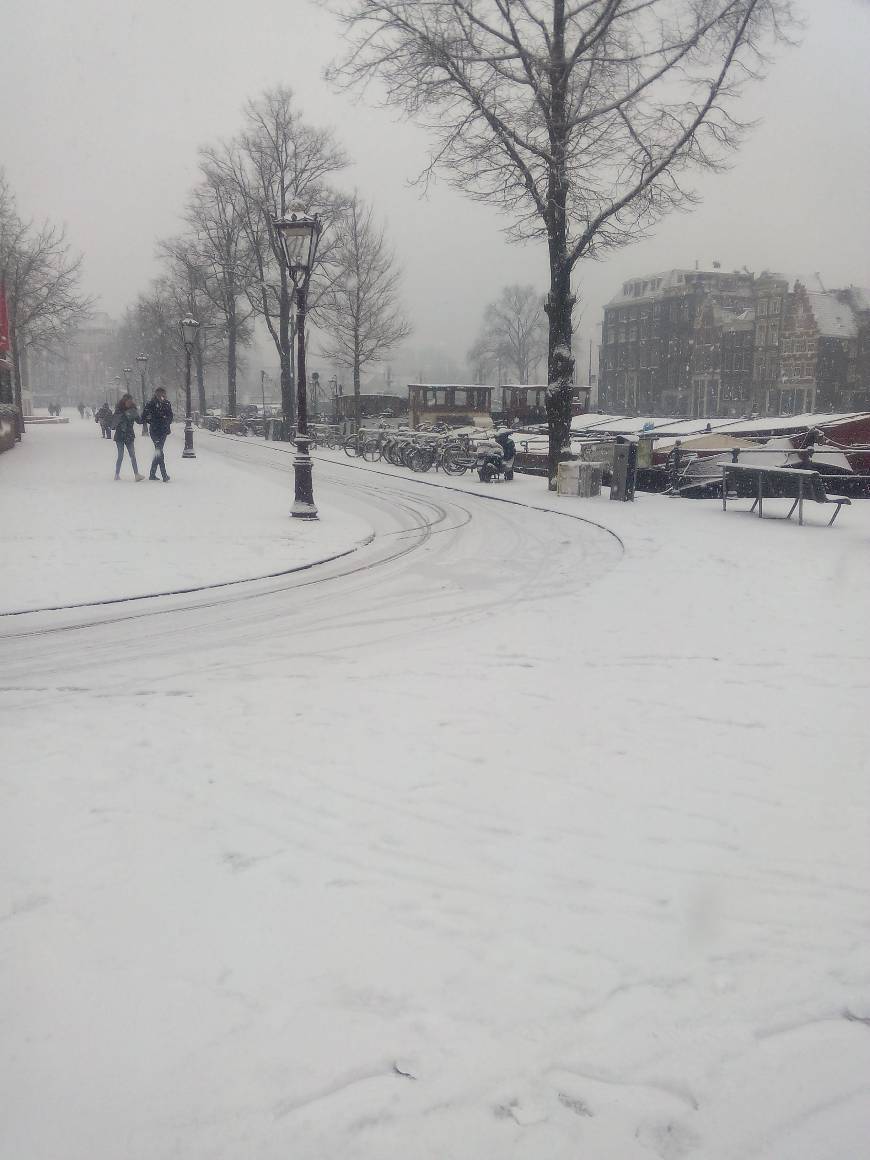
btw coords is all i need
(763, 483)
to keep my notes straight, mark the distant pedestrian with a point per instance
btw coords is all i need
(158, 415)
(81, 410)
(124, 422)
(103, 415)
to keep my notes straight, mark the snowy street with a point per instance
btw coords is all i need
(531, 830)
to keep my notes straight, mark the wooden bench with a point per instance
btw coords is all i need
(777, 483)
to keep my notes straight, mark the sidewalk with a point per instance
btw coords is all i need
(70, 534)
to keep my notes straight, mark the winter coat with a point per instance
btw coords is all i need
(508, 447)
(124, 425)
(158, 416)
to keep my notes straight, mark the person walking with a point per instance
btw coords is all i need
(124, 423)
(158, 415)
(104, 417)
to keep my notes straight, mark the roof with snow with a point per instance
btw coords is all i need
(651, 284)
(860, 297)
(834, 319)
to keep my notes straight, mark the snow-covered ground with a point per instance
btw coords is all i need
(70, 533)
(508, 835)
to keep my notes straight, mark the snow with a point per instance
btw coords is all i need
(834, 319)
(544, 836)
(801, 422)
(70, 533)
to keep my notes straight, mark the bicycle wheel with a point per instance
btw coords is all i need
(371, 451)
(422, 459)
(351, 446)
(395, 453)
(455, 462)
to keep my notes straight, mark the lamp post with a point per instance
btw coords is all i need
(299, 233)
(127, 371)
(142, 362)
(188, 327)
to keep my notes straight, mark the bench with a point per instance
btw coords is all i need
(777, 483)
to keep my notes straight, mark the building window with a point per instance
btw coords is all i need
(632, 334)
(762, 309)
(773, 333)
(776, 306)
(761, 333)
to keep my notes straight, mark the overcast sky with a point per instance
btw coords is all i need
(106, 101)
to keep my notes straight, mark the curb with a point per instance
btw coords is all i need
(196, 588)
(440, 486)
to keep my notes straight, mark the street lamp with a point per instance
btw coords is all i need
(188, 327)
(299, 233)
(127, 372)
(142, 361)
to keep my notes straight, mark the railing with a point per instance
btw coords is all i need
(680, 457)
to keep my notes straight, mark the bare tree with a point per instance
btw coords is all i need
(514, 332)
(216, 216)
(186, 285)
(579, 118)
(42, 278)
(278, 159)
(151, 324)
(360, 311)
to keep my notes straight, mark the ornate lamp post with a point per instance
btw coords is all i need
(127, 371)
(299, 232)
(188, 327)
(142, 363)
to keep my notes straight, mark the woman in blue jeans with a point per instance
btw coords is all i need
(123, 423)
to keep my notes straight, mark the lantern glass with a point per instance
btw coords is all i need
(142, 358)
(298, 231)
(189, 327)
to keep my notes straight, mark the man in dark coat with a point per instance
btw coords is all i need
(104, 417)
(158, 416)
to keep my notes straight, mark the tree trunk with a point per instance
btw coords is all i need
(17, 376)
(356, 392)
(560, 302)
(285, 336)
(560, 365)
(231, 359)
(200, 379)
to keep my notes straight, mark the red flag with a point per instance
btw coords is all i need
(4, 321)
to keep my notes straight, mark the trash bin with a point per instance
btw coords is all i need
(578, 478)
(590, 480)
(624, 471)
(568, 477)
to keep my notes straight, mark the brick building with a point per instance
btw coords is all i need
(712, 344)
(770, 303)
(78, 370)
(825, 351)
(661, 344)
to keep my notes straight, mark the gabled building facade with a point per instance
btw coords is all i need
(656, 354)
(705, 344)
(824, 343)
